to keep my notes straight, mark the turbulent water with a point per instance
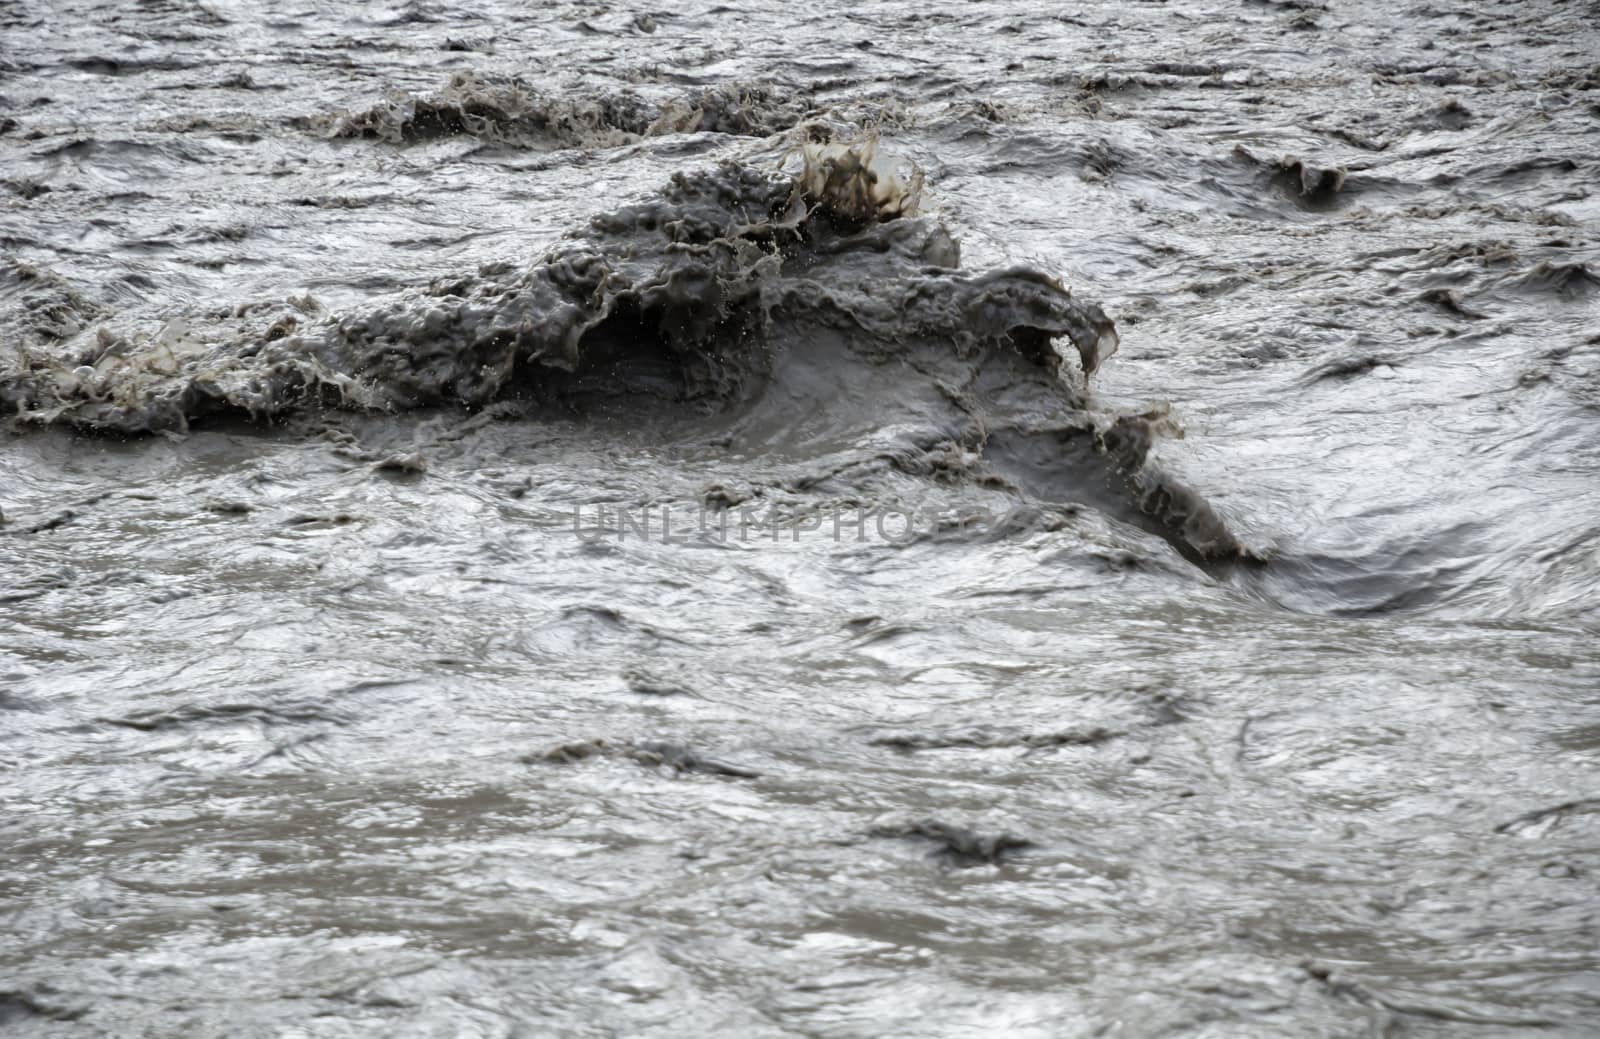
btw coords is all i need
(902, 519)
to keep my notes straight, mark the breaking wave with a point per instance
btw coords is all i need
(515, 114)
(802, 313)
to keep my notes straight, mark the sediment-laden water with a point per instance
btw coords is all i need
(898, 519)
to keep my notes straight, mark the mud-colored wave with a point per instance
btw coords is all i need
(803, 313)
(515, 114)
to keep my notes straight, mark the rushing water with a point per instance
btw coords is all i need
(356, 355)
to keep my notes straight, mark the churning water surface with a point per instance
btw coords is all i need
(917, 519)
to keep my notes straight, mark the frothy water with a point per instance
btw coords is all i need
(915, 519)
